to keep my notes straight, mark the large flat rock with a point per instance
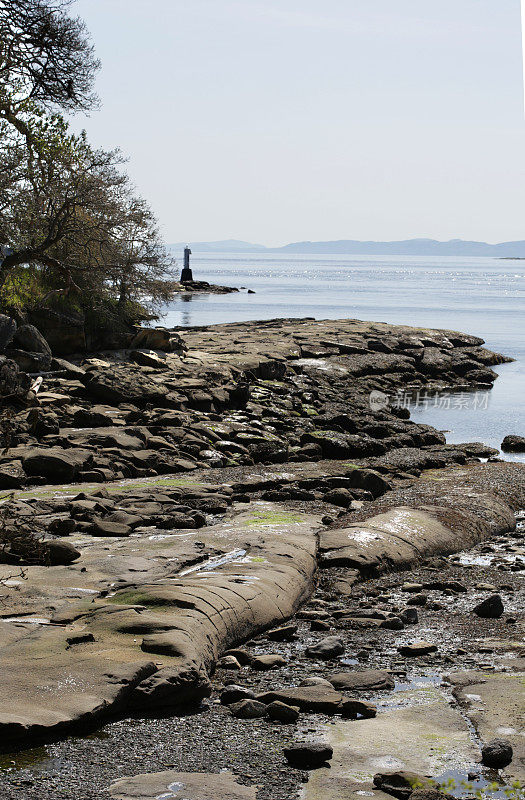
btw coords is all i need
(150, 645)
(496, 705)
(428, 738)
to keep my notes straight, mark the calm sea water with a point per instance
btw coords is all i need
(482, 296)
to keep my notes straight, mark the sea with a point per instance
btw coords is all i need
(480, 296)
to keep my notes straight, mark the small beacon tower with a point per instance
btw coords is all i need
(186, 274)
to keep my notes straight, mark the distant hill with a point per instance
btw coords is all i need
(407, 247)
(224, 246)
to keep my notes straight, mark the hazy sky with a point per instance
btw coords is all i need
(283, 120)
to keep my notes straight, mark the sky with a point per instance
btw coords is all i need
(275, 121)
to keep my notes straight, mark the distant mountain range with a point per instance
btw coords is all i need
(407, 247)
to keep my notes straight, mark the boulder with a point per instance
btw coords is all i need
(12, 475)
(319, 699)
(513, 444)
(106, 527)
(12, 381)
(417, 649)
(54, 463)
(281, 712)
(497, 754)
(330, 647)
(228, 662)
(234, 694)
(60, 552)
(29, 362)
(282, 634)
(248, 709)
(147, 358)
(370, 481)
(65, 333)
(171, 686)
(7, 331)
(353, 708)
(342, 445)
(364, 681)
(308, 755)
(338, 497)
(117, 384)
(266, 662)
(157, 339)
(29, 338)
(401, 784)
(490, 608)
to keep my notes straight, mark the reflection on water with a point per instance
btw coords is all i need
(186, 312)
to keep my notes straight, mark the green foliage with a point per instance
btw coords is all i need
(81, 240)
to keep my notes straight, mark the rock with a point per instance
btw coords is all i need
(417, 649)
(353, 708)
(490, 608)
(29, 338)
(171, 687)
(431, 794)
(12, 475)
(282, 634)
(308, 755)
(147, 358)
(412, 588)
(338, 497)
(317, 699)
(478, 449)
(234, 693)
(316, 681)
(228, 662)
(71, 370)
(281, 712)
(401, 784)
(248, 709)
(330, 647)
(60, 552)
(513, 444)
(119, 384)
(365, 681)
(54, 463)
(12, 380)
(417, 600)
(370, 481)
(7, 331)
(392, 624)
(30, 362)
(497, 754)
(409, 616)
(158, 339)
(104, 527)
(342, 445)
(244, 657)
(266, 662)
(319, 625)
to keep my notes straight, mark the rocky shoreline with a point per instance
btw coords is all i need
(203, 287)
(190, 492)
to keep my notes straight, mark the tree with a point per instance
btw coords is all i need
(45, 57)
(65, 208)
(143, 271)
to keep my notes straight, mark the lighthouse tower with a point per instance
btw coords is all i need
(186, 274)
